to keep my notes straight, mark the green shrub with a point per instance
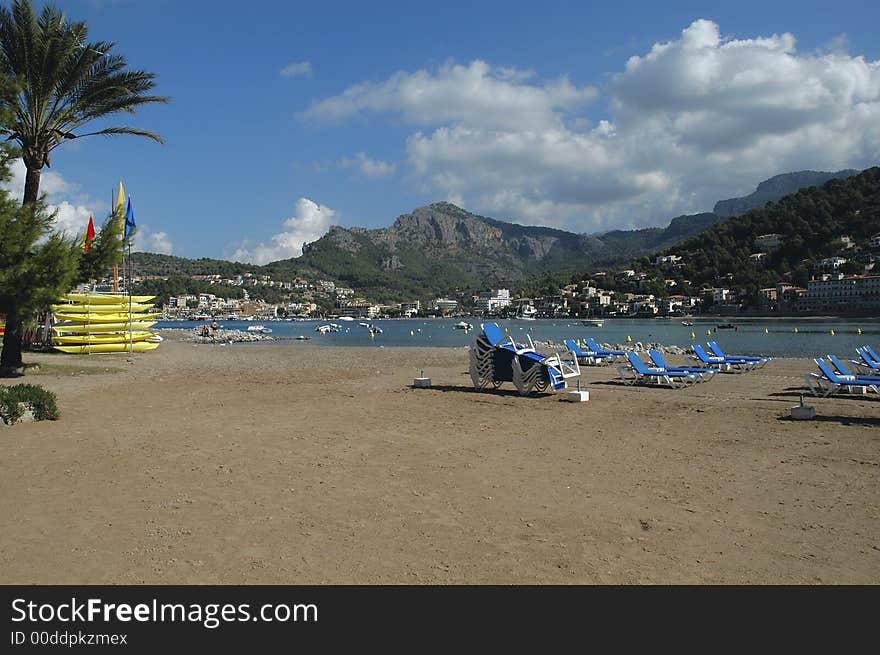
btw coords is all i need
(41, 400)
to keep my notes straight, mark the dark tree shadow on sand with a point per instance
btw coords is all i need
(843, 420)
(454, 388)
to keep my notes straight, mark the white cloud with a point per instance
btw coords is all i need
(372, 168)
(297, 69)
(145, 240)
(310, 222)
(693, 120)
(475, 93)
(72, 209)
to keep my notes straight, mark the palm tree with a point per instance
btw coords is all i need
(66, 83)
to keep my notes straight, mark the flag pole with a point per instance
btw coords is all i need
(128, 284)
(115, 266)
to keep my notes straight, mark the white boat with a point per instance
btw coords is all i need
(259, 328)
(362, 324)
(463, 325)
(324, 329)
(593, 322)
(526, 313)
(688, 323)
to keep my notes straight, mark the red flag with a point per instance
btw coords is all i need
(90, 236)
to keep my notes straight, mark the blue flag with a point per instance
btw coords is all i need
(129, 220)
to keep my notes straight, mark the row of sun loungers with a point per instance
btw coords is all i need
(676, 377)
(835, 376)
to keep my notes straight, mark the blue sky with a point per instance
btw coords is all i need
(288, 117)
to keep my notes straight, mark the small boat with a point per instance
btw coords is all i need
(324, 329)
(726, 326)
(687, 323)
(526, 313)
(366, 325)
(375, 330)
(463, 325)
(302, 337)
(259, 328)
(593, 322)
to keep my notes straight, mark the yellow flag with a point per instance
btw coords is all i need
(120, 208)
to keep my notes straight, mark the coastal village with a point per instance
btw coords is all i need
(657, 291)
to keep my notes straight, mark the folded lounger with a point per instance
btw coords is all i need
(583, 356)
(601, 352)
(705, 373)
(639, 372)
(716, 350)
(730, 364)
(830, 382)
(496, 358)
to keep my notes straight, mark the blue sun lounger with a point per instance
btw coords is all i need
(705, 373)
(844, 372)
(496, 358)
(639, 372)
(716, 350)
(869, 364)
(601, 352)
(583, 356)
(728, 364)
(830, 382)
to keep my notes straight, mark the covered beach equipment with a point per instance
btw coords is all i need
(830, 382)
(496, 358)
(659, 361)
(759, 361)
(638, 372)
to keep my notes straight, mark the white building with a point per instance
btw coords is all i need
(490, 302)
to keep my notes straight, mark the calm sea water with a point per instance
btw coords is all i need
(807, 337)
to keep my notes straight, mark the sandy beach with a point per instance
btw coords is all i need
(298, 464)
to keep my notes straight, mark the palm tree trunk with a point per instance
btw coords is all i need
(10, 357)
(32, 183)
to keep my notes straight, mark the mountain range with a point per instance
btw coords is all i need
(441, 248)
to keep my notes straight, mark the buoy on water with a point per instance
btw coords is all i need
(859, 330)
(832, 333)
(766, 331)
(629, 339)
(693, 336)
(411, 333)
(795, 330)
(709, 332)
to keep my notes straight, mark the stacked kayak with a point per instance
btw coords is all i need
(104, 323)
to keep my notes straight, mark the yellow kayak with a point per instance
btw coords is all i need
(108, 337)
(79, 328)
(104, 298)
(105, 318)
(101, 309)
(139, 347)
